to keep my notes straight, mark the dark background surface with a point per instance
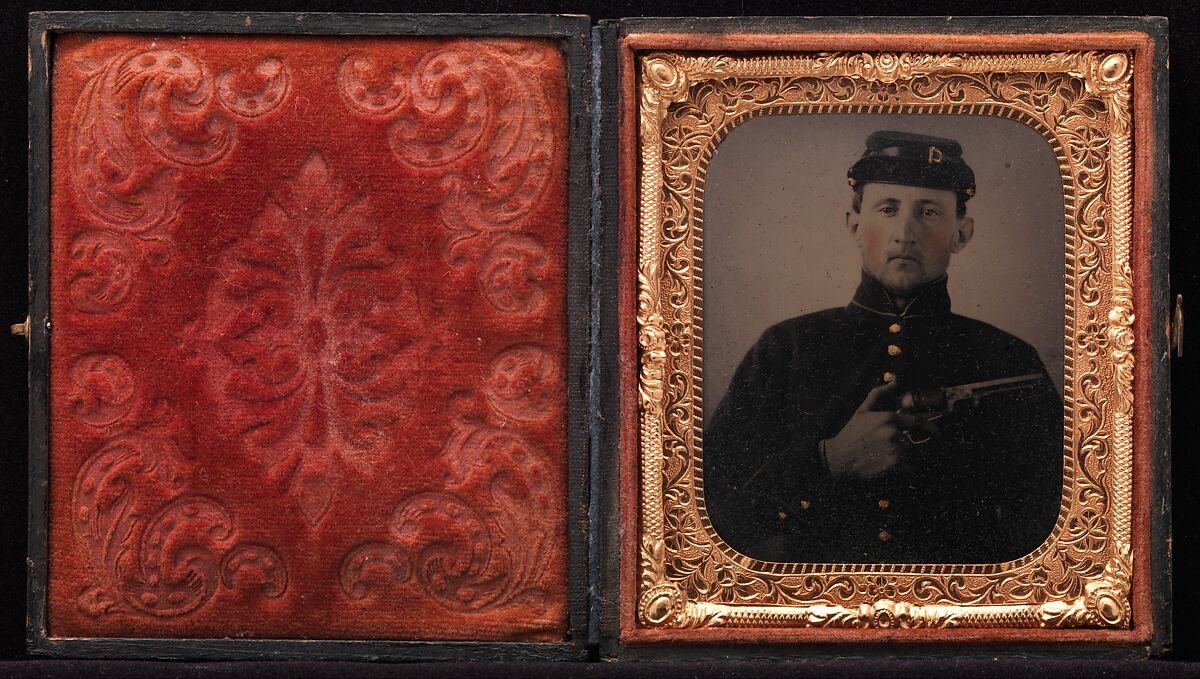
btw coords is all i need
(1185, 279)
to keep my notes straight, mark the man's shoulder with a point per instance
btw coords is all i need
(986, 336)
(804, 328)
(811, 322)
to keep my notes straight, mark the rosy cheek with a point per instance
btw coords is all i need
(938, 249)
(872, 243)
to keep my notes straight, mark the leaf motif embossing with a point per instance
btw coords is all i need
(524, 383)
(269, 86)
(464, 557)
(156, 548)
(265, 562)
(102, 271)
(142, 118)
(104, 389)
(314, 337)
(474, 114)
(511, 274)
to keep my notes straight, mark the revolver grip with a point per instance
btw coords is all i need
(923, 401)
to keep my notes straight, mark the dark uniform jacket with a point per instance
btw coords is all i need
(986, 490)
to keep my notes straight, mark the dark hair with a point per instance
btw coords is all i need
(960, 200)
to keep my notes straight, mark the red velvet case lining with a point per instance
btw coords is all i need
(309, 338)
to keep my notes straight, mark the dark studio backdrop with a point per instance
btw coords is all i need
(1185, 253)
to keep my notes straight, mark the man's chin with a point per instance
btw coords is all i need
(902, 284)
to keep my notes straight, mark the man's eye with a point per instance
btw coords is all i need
(887, 210)
(930, 212)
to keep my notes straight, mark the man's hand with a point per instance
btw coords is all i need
(873, 441)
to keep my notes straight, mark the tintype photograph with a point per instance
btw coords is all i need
(883, 339)
(886, 348)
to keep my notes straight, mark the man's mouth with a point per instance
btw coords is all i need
(905, 258)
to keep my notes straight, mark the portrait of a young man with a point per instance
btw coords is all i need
(891, 428)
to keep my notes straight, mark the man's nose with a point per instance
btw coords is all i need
(906, 229)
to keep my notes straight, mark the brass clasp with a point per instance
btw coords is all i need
(1175, 328)
(21, 329)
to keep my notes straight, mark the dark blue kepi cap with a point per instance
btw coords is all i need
(913, 160)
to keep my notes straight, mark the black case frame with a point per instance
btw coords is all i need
(595, 233)
(572, 34)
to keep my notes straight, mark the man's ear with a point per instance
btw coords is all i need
(852, 222)
(966, 229)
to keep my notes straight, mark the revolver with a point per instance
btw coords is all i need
(934, 403)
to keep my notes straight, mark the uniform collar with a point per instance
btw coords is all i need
(930, 300)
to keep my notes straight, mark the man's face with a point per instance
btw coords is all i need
(906, 234)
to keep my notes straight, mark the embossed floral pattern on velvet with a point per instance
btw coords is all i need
(492, 557)
(158, 549)
(308, 374)
(314, 342)
(142, 116)
(462, 104)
